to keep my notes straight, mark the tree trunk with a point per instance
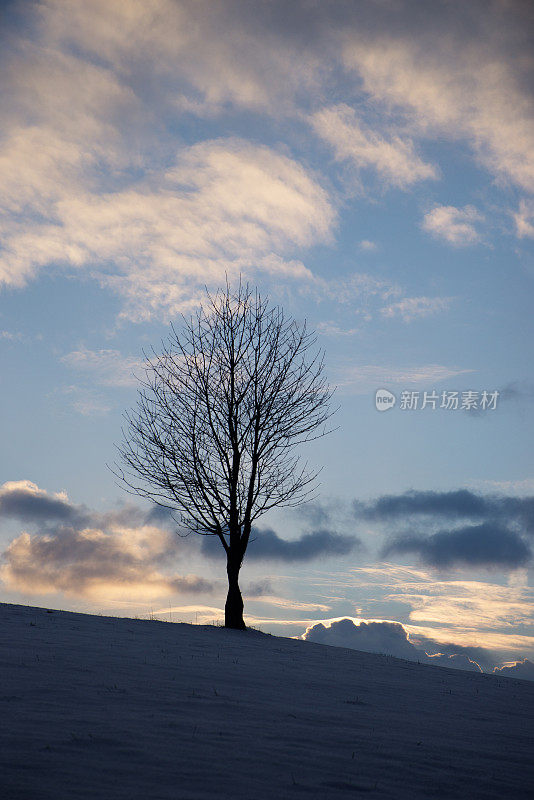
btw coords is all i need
(233, 610)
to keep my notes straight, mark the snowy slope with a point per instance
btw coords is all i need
(100, 707)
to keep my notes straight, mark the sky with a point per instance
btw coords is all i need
(370, 168)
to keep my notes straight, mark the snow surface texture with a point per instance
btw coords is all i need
(101, 707)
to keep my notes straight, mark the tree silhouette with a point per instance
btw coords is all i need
(219, 415)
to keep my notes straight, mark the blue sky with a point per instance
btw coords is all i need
(370, 167)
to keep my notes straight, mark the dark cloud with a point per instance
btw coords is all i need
(24, 502)
(258, 589)
(315, 514)
(158, 515)
(390, 638)
(415, 521)
(518, 669)
(484, 545)
(454, 504)
(266, 545)
(517, 390)
(372, 637)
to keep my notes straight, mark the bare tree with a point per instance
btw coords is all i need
(219, 415)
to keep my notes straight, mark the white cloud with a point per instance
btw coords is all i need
(108, 367)
(524, 219)
(358, 286)
(394, 158)
(367, 244)
(523, 486)
(445, 82)
(93, 179)
(225, 206)
(371, 636)
(87, 402)
(456, 225)
(330, 328)
(367, 377)
(205, 55)
(29, 487)
(411, 308)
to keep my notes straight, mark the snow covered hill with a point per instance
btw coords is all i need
(104, 708)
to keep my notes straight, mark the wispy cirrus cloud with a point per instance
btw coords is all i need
(367, 377)
(108, 367)
(466, 612)
(223, 206)
(393, 158)
(410, 308)
(330, 328)
(464, 87)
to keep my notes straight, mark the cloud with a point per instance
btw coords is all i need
(484, 545)
(411, 308)
(460, 75)
(101, 175)
(367, 245)
(85, 553)
(517, 669)
(484, 530)
(367, 377)
(524, 219)
(25, 501)
(86, 401)
(266, 545)
(390, 638)
(329, 328)
(108, 367)
(440, 652)
(371, 637)
(454, 661)
(96, 564)
(223, 206)
(457, 226)
(452, 505)
(516, 390)
(394, 159)
(487, 621)
(94, 182)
